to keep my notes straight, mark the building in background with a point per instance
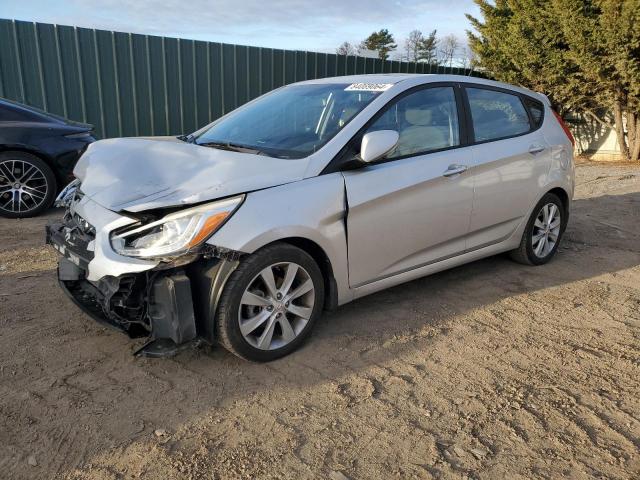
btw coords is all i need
(594, 140)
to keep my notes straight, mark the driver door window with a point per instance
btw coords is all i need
(426, 120)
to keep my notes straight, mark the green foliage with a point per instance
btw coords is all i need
(420, 48)
(427, 48)
(382, 41)
(584, 54)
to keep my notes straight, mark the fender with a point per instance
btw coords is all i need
(271, 215)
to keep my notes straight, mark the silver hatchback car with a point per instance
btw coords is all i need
(306, 198)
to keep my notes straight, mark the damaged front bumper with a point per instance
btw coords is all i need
(172, 304)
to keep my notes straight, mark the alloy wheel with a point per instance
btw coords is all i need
(276, 306)
(23, 186)
(546, 230)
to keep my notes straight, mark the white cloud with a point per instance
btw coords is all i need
(279, 23)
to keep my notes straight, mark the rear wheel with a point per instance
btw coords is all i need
(270, 303)
(543, 232)
(27, 185)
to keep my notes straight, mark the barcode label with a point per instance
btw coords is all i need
(368, 87)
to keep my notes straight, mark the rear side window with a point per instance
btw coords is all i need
(536, 109)
(496, 114)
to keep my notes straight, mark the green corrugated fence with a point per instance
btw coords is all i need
(128, 84)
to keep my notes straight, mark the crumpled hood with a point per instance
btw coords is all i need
(138, 174)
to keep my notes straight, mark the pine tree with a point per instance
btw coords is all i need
(428, 48)
(382, 41)
(584, 54)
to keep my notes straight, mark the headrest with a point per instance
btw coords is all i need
(418, 116)
(346, 115)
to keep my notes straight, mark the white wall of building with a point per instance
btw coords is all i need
(594, 140)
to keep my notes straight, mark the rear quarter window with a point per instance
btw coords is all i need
(496, 114)
(536, 109)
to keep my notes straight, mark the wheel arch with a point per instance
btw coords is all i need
(564, 197)
(324, 263)
(24, 149)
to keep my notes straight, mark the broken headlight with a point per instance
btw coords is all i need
(177, 233)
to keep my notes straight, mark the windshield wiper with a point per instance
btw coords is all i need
(234, 147)
(187, 138)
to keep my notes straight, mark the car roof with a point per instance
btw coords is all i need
(33, 115)
(368, 78)
(415, 78)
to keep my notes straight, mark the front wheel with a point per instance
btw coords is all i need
(543, 232)
(270, 303)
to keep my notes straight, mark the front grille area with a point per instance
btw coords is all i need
(83, 226)
(71, 243)
(74, 222)
(117, 302)
(156, 303)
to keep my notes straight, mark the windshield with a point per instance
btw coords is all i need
(292, 122)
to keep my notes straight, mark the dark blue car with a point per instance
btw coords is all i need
(38, 151)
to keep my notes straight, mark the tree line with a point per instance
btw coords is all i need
(417, 47)
(583, 54)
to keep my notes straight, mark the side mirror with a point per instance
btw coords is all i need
(376, 145)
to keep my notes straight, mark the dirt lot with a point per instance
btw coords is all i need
(491, 370)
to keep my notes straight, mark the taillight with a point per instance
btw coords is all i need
(78, 135)
(565, 128)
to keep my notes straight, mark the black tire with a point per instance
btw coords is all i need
(227, 318)
(33, 207)
(525, 253)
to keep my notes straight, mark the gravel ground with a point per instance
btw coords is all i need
(490, 370)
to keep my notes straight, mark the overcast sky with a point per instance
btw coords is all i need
(295, 24)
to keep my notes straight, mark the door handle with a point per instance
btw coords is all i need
(534, 149)
(454, 169)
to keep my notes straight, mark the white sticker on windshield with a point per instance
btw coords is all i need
(368, 87)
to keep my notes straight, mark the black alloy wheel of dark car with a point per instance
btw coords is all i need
(38, 152)
(27, 185)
